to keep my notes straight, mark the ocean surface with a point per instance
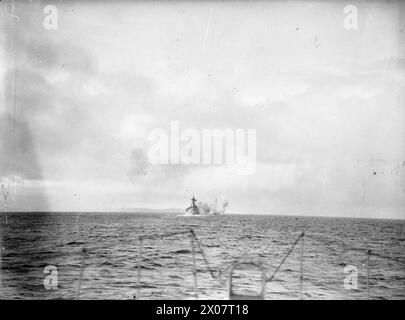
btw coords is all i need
(53, 242)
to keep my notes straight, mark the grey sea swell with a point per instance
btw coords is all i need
(32, 241)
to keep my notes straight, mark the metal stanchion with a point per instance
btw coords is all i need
(194, 266)
(138, 289)
(368, 274)
(1, 261)
(301, 264)
(79, 285)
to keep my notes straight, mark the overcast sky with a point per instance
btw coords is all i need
(327, 104)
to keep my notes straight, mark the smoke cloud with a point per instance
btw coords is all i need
(217, 207)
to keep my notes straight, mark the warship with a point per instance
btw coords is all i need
(193, 209)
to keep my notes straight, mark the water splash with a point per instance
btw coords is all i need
(216, 207)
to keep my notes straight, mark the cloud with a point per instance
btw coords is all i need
(140, 162)
(85, 103)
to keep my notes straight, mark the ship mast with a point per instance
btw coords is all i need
(193, 200)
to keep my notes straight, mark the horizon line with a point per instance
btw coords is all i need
(161, 211)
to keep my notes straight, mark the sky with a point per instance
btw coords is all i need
(327, 104)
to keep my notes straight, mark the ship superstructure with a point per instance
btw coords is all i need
(193, 209)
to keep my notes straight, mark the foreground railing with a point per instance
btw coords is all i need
(217, 276)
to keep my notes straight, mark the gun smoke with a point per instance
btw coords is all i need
(216, 207)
